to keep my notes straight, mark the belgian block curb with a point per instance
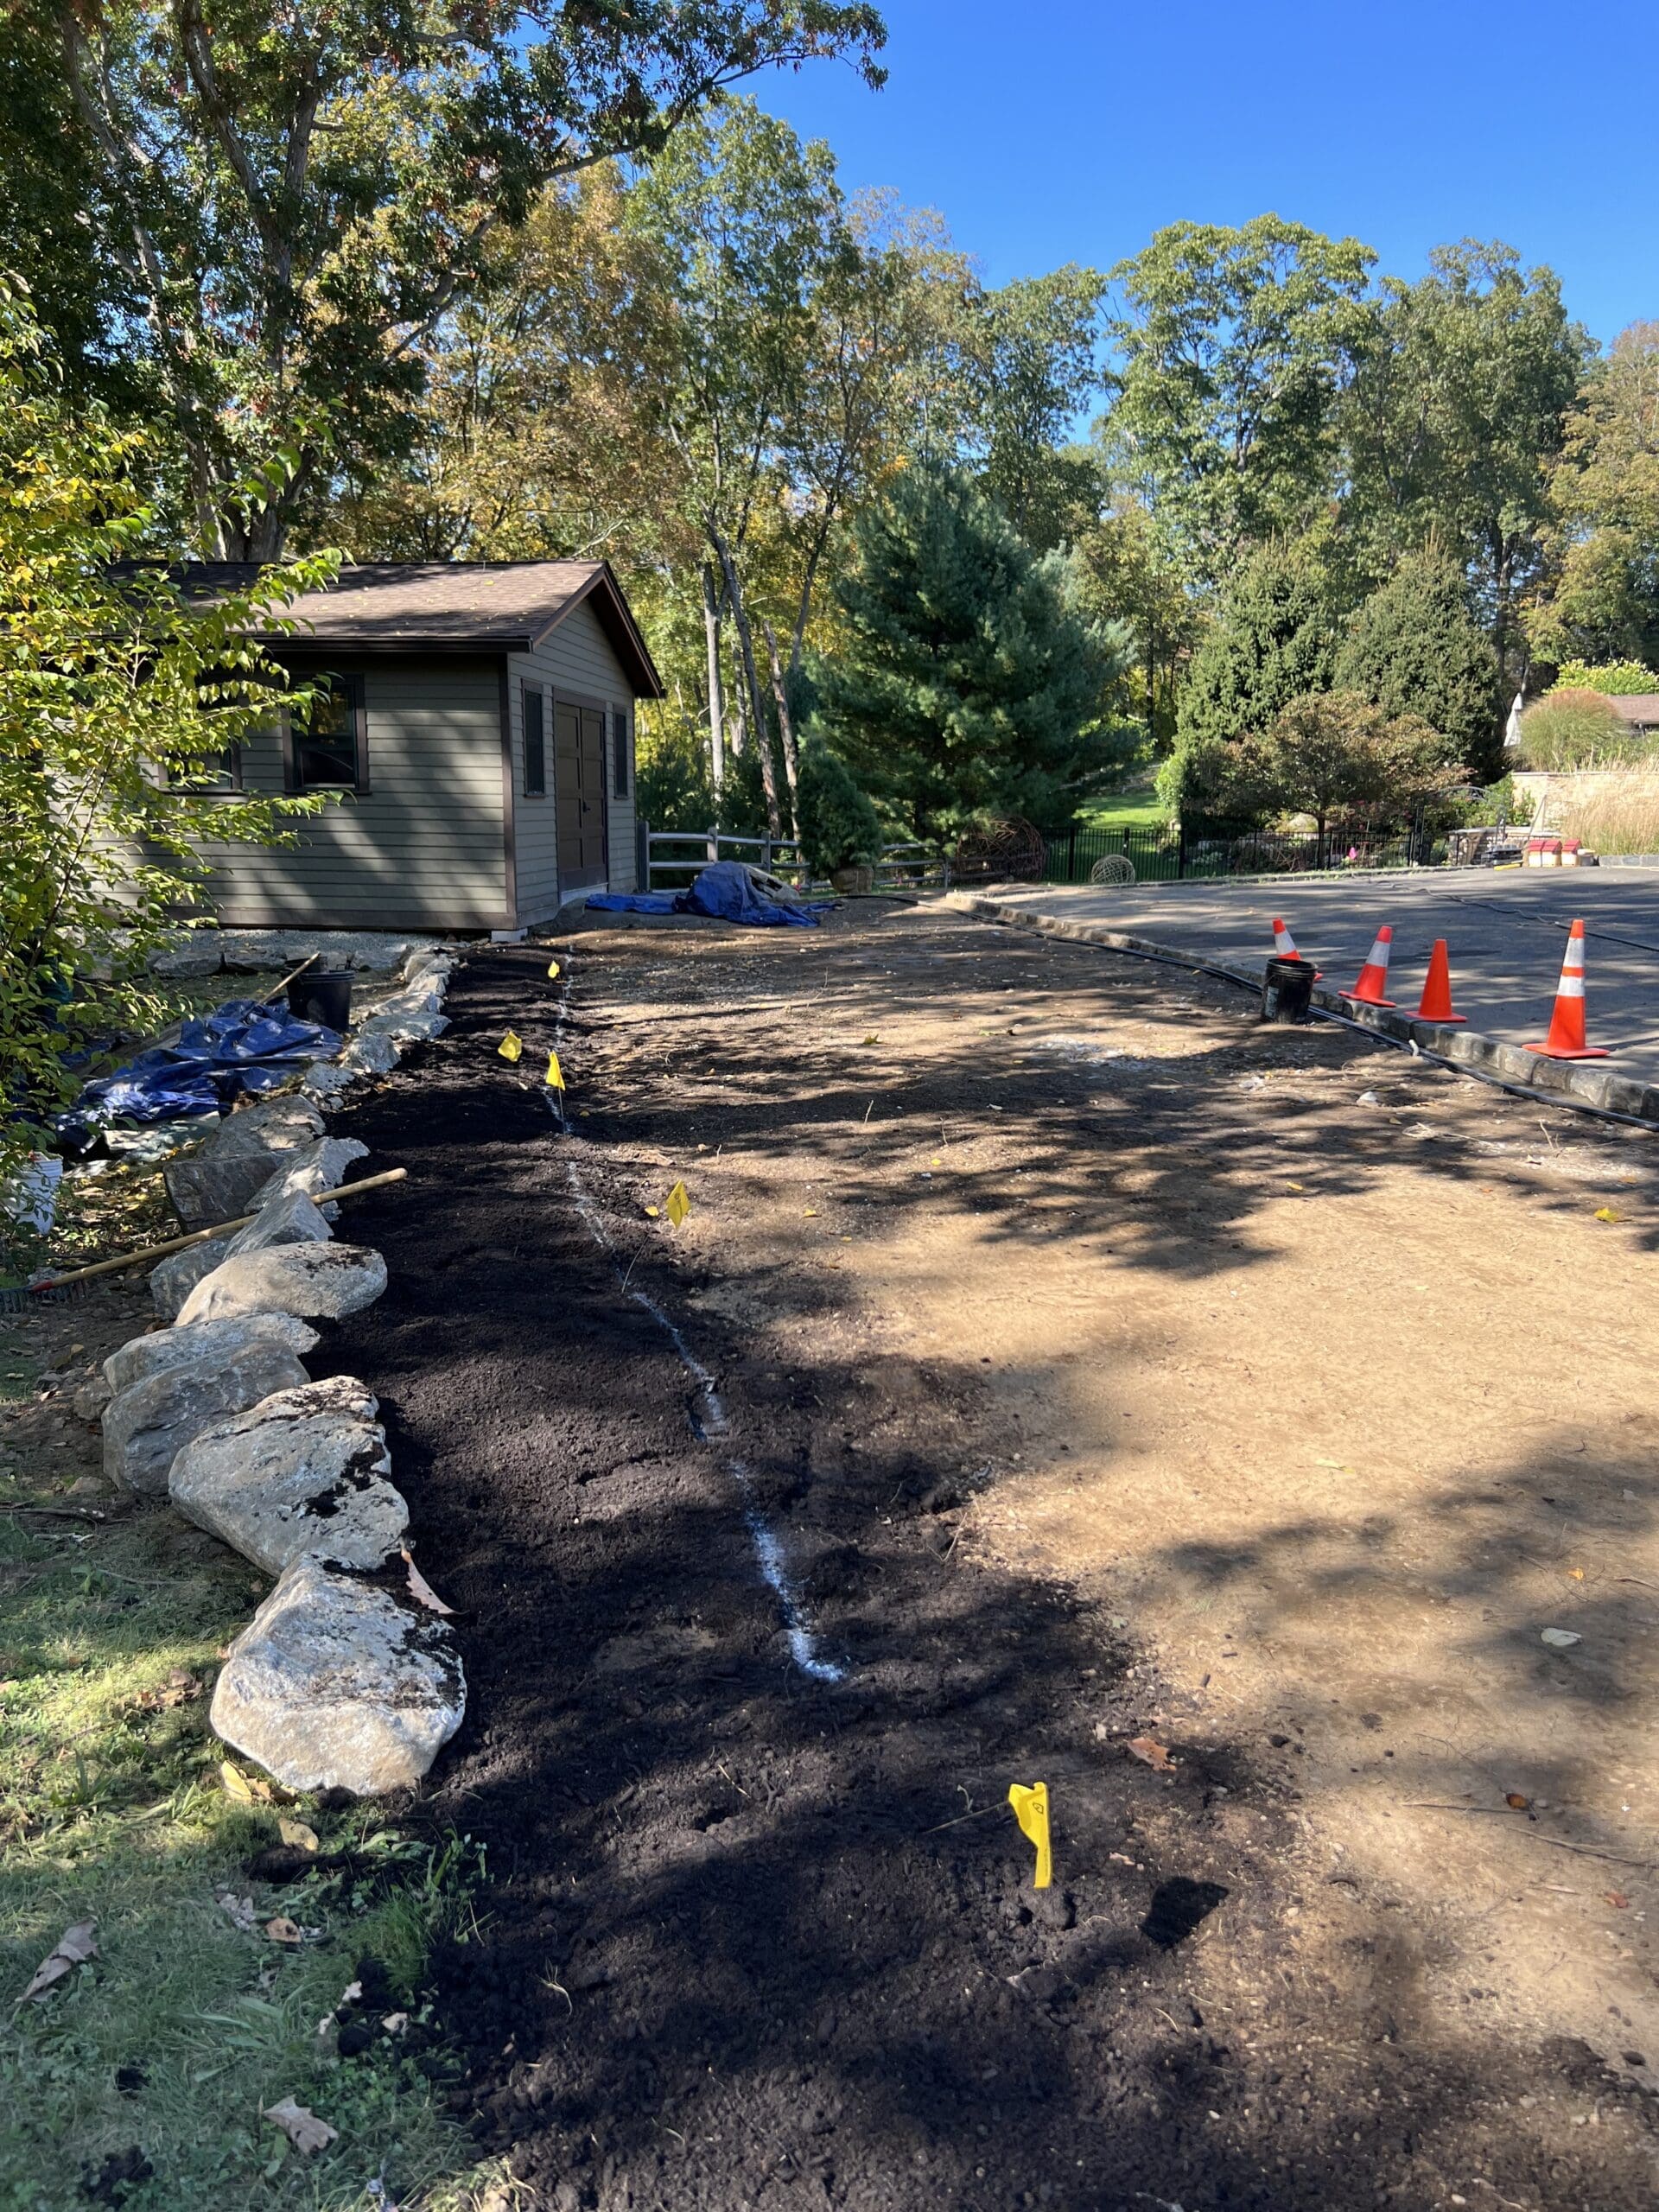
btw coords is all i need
(1575, 1081)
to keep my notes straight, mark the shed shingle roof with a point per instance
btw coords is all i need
(450, 605)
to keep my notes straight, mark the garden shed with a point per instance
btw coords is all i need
(475, 732)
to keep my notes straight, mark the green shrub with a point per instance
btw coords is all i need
(839, 826)
(1575, 729)
(1620, 678)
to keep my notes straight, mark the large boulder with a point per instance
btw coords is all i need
(177, 1347)
(147, 1425)
(220, 1179)
(372, 1051)
(292, 1220)
(194, 957)
(322, 1165)
(327, 1080)
(335, 1684)
(254, 952)
(320, 1283)
(303, 1470)
(171, 1279)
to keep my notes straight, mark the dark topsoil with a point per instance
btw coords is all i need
(752, 1939)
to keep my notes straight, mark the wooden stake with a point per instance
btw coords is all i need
(220, 1229)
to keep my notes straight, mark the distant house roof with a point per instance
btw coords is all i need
(1640, 708)
(453, 606)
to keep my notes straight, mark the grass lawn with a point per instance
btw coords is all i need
(1133, 805)
(115, 1806)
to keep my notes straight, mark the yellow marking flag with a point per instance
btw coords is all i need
(552, 971)
(512, 1047)
(1031, 1810)
(678, 1203)
(555, 1076)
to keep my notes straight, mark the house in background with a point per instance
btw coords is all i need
(476, 728)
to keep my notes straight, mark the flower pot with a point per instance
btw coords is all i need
(855, 882)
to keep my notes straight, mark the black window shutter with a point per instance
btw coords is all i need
(535, 744)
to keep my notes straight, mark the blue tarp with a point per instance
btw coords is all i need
(725, 891)
(244, 1044)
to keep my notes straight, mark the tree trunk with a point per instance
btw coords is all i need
(785, 730)
(1152, 696)
(716, 702)
(750, 681)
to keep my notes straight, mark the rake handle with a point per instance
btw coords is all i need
(205, 1236)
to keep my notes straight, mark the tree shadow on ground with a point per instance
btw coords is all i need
(759, 1940)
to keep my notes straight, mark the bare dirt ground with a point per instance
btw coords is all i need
(1092, 1367)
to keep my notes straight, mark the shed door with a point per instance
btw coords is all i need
(579, 794)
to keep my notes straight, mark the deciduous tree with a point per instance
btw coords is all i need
(295, 195)
(118, 700)
(1233, 344)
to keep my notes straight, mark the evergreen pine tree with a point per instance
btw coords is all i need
(1414, 648)
(1275, 641)
(839, 826)
(967, 685)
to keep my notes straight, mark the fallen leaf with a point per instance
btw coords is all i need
(678, 1203)
(1606, 1213)
(653, 1213)
(236, 1783)
(1517, 1803)
(1575, 1573)
(552, 971)
(1616, 1897)
(284, 1930)
(395, 2023)
(512, 1047)
(238, 1909)
(301, 2126)
(1147, 1748)
(178, 1689)
(422, 1591)
(812, 1214)
(1560, 1639)
(871, 1039)
(296, 1833)
(72, 1948)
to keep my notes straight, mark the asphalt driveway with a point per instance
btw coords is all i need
(1505, 931)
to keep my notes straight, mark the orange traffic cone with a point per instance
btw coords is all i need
(1284, 945)
(1374, 976)
(1566, 1037)
(1437, 989)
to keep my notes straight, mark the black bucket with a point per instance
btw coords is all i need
(322, 994)
(1287, 991)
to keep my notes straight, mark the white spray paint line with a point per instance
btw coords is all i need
(712, 1422)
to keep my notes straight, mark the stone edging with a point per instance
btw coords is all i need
(347, 1676)
(1573, 1082)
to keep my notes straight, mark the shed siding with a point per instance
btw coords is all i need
(574, 659)
(425, 846)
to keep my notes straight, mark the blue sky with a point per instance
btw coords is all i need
(1071, 132)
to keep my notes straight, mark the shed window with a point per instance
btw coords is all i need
(618, 752)
(535, 743)
(327, 747)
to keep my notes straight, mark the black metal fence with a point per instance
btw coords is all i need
(1160, 856)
